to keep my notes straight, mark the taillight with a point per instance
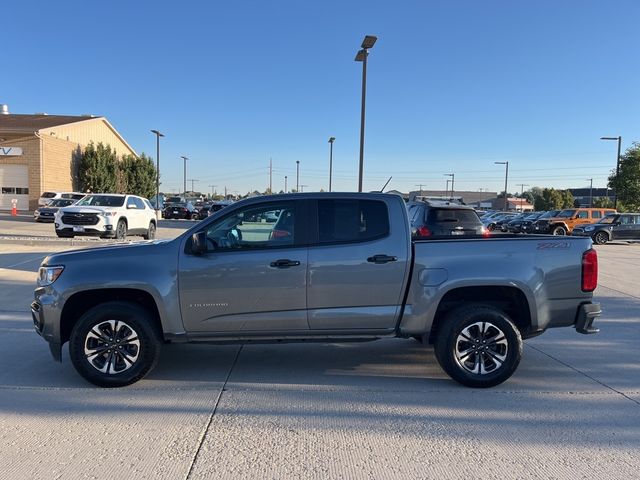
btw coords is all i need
(589, 270)
(423, 231)
(485, 232)
(279, 234)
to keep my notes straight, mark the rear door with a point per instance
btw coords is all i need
(358, 264)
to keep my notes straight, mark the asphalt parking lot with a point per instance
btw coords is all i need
(365, 410)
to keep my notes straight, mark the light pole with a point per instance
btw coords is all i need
(619, 139)
(446, 190)
(453, 177)
(420, 185)
(590, 192)
(506, 179)
(192, 180)
(285, 184)
(297, 176)
(158, 135)
(302, 188)
(213, 190)
(361, 56)
(521, 185)
(184, 186)
(331, 140)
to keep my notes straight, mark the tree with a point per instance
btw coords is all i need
(602, 202)
(137, 176)
(567, 199)
(98, 169)
(551, 199)
(627, 182)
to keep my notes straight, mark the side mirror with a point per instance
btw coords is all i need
(131, 206)
(199, 243)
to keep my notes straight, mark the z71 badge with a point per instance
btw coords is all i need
(552, 245)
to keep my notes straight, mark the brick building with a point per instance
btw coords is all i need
(39, 153)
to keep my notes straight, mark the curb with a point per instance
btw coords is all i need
(44, 241)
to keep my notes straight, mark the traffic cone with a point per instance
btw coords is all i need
(14, 208)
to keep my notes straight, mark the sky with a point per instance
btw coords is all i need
(452, 87)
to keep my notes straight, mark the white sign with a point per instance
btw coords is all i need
(10, 151)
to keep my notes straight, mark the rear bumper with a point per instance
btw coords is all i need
(587, 313)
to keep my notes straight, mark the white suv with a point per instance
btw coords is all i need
(107, 216)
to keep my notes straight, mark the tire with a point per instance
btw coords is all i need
(114, 368)
(461, 354)
(559, 230)
(121, 230)
(600, 238)
(195, 216)
(151, 232)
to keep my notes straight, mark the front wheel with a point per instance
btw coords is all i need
(121, 230)
(114, 344)
(558, 231)
(478, 346)
(600, 238)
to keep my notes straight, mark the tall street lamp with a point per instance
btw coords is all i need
(158, 135)
(506, 179)
(619, 139)
(453, 177)
(590, 192)
(184, 183)
(446, 190)
(331, 140)
(361, 56)
(522, 185)
(297, 176)
(285, 184)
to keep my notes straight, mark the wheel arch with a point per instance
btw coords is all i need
(82, 301)
(511, 300)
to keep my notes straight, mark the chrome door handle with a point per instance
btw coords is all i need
(284, 263)
(378, 259)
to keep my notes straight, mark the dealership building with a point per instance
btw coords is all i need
(40, 153)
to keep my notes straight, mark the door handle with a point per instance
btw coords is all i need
(378, 259)
(285, 263)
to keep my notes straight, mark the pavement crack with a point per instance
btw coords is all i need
(203, 435)
(585, 374)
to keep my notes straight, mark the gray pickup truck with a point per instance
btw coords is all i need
(324, 267)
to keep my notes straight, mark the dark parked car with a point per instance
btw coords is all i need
(533, 226)
(48, 212)
(515, 225)
(181, 210)
(430, 218)
(620, 226)
(502, 223)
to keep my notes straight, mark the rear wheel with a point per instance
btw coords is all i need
(478, 346)
(195, 216)
(600, 238)
(559, 230)
(151, 232)
(114, 344)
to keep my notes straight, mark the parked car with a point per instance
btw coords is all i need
(494, 222)
(619, 226)
(348, 272)
(434, 218)
(218, 205)
(515, 225)
(502, 223)
(46, 197)
(107, 216)
(47, 212)
(532, 226)
(184, 210)
(566, 220)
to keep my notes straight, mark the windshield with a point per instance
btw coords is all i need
(48, 195)
(566, 214)
(101, 201)
(608, 219)
(60, 202)
(550, 214)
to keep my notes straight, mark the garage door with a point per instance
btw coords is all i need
(14, 183)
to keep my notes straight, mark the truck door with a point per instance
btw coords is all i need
(252, 277)
(358, 264)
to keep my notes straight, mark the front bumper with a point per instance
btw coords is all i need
(587, 313)
(45, 313)
(105, 227)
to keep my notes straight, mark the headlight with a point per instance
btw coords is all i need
(48, 275)
(36, 212)
(589, 229)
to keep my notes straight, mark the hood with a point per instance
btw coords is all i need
(104, 252)
(82, 209)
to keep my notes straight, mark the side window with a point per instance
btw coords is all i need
(138, 203)
(583, 214)
(596, 214)
(131, 203)
(343, 221)
(625, 219)
(254, 227)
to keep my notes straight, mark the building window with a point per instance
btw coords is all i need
(8, 190)
(22, 191)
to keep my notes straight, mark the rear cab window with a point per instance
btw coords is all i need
(453, 215)
(347, 221)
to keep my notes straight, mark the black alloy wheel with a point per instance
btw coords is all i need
(478, 346)
(600, 238)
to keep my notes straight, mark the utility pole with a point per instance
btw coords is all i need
(446, 191)
(157, 202)
(184, 186)
(590, 192)
(420, 185)
(193, 180)
(297, 176)
(225, 192)
(285, 184)
(302, 188)
(506, 180)
(270, 174)
(521, 185)
(213, 190)
(453, 177)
